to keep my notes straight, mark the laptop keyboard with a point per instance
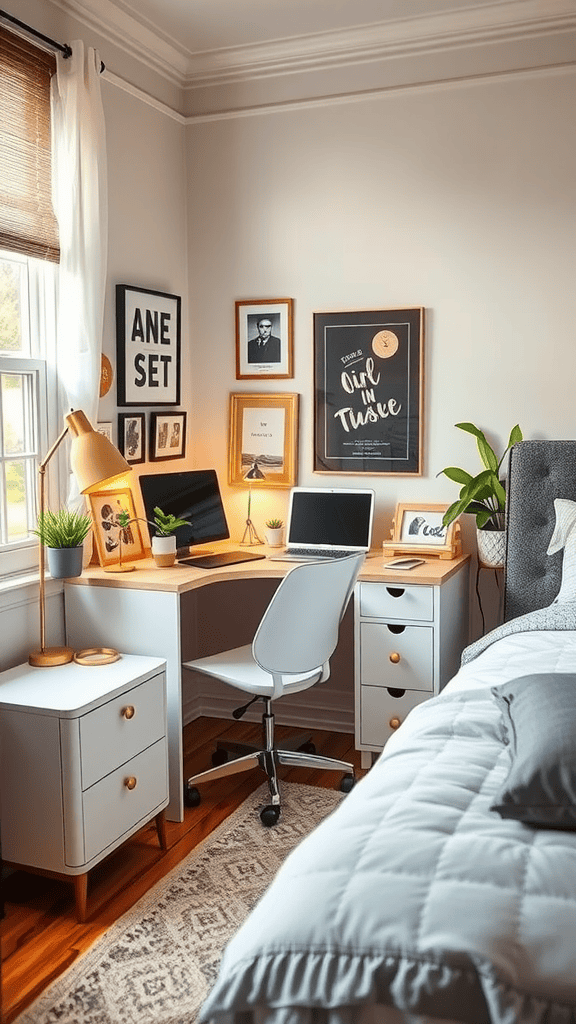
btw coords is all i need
(318, 552)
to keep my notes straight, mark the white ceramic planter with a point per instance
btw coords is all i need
(491, 547)
(164, 550)
(274, 537)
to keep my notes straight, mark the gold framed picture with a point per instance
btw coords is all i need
(106, 506)
(263, 440)
(264, 342)
(418, 529)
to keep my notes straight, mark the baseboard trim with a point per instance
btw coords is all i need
(302, 715)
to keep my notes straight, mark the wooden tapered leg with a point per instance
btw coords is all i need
(160, 820)
(81, 893)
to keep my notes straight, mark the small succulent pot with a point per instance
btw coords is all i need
(274, 536)
(164, 550)
(64, 563)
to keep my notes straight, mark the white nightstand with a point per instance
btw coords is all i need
(407, 645)
(84, 763)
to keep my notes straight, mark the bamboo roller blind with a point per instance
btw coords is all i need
(27, 221)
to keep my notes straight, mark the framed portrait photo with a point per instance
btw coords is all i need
(418, 528)
(147, 346)
(368, 391)
(264, 341)
(263, 440)
(132, 436)
(167, 436)
(106, 506)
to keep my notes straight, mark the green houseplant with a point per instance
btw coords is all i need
(163, 541)
(482, 495)
(273, 532)
(62, 533)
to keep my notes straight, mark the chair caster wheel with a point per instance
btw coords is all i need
(308, 748)
(219, 757)
(192, 796)
(269, 815)
(347, 783)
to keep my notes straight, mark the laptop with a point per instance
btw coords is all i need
(325, 523)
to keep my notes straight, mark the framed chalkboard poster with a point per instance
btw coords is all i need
(368, 387)
(147, 347)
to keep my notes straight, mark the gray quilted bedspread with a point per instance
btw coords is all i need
(414, 895)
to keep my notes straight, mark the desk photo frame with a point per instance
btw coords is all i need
(417, 529)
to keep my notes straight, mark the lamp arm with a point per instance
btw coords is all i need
(42, 465)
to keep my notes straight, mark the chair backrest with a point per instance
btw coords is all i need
(299, 629)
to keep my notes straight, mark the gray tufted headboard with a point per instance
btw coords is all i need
(539, 471)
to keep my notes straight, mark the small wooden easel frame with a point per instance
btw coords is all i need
(417, 530)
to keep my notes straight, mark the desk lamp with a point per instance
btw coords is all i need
(254, 473)
(95, 461)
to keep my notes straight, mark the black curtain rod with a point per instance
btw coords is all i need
(63, 48)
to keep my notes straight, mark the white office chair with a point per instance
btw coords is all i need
(290, 652)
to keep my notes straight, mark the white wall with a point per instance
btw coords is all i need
(458, 197)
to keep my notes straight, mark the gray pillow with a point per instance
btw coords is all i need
(539, 716)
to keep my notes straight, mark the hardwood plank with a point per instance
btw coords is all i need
(40, 936)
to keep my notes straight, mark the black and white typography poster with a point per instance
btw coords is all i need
(368, 391)
(148, 346)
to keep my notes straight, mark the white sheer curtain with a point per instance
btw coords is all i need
(80, 198)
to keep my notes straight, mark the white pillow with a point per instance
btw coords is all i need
(564, 536)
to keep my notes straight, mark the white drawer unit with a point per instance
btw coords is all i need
(407, 645)
(84, 762)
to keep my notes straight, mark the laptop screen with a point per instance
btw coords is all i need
(323, 517)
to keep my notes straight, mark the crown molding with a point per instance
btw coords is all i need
(495, 21)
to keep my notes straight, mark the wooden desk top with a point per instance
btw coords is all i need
(180, 578)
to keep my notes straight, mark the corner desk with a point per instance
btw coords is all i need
(160, 613)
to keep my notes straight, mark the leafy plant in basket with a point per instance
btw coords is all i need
(482, 495)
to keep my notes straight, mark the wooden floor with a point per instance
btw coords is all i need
(40, 937)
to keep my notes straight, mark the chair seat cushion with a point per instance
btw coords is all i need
(238, 668)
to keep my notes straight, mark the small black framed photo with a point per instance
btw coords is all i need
(132, 436)
(264, 339)
(147, 346)
(167, 436)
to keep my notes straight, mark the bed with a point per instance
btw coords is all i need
(442, 890)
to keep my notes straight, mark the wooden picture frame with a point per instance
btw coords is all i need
(418, 529)
(167, 436)
(105, 506)
(263, 439)
(132, 436)
(147, 346)
(264, 339)
(368, 391)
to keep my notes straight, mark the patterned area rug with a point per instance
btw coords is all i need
(157, 963)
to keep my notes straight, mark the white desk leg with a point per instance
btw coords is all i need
(365, 759)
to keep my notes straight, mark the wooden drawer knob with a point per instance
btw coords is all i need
(394, 723)
(131, 782)
(394, 657)
(128, 712)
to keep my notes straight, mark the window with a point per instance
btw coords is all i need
(28, 257)
(27, 341)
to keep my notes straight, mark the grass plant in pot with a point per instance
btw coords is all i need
(63, 533)
(484, 496)
(273, 532)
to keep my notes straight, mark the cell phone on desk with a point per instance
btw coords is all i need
(403, 564)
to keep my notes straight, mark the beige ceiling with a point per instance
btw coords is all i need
(195, 26)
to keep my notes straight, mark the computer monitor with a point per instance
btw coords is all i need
(193, 495)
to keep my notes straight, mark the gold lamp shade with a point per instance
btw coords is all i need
(93, 458)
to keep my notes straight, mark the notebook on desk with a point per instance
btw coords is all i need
(327, 523)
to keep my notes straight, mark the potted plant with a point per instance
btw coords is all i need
(484, 496)
(273, 532)
(63, 533)
(163, 541)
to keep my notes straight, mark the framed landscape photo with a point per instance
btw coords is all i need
(106, 506)
(418, 528)
(263, 440)
(167, 436)
(368, 391)
(147, 346)
(132, 436)
(264, 340)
